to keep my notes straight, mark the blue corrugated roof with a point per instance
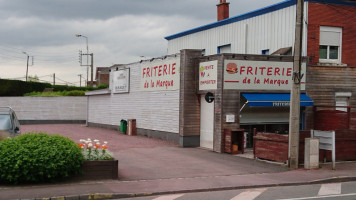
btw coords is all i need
(274, 99)
(255, 13)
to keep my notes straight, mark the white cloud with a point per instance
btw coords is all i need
(118, 31)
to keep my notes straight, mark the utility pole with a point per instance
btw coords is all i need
(28, 57)
(80, 80)
(293, 151)
(91, 67)
(54, 78)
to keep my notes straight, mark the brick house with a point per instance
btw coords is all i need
(102, 75)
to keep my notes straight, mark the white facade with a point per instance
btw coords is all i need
(269, 28)
(154, 109)
(47, 108)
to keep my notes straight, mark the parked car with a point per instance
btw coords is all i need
(9, 124)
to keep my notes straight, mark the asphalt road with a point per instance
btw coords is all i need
(338, 191)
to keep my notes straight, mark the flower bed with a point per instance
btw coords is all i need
(98, 161)
(93, 150)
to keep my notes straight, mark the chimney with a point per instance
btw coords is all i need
(223, 10)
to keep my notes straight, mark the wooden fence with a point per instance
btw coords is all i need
(329, 118)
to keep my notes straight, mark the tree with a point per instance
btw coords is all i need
(33, 78)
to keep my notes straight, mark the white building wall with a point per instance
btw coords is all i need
(47, 108)
(153, 110)
(99, 109)
(271, 31)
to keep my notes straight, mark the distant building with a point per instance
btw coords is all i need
(102, 75)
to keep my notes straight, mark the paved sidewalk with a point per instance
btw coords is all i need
(148, 166)
(122, 189)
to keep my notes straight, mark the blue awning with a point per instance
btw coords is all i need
(274, 99)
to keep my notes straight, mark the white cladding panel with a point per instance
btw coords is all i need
(271, 31)
(153, 110)
(47, 108)
(99, 109)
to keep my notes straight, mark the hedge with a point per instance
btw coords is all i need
(19, 88)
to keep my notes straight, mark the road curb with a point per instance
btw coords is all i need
(101, 196)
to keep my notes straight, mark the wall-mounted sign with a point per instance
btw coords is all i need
(121, 81)
(260, 75)
(209, 97)
(208, 75)
(160, 74)
(230, 118)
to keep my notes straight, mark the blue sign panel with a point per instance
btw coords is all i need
(274, 99)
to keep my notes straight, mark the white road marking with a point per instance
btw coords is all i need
(168, 197)
(330, 189)
(322, 197)
(249, 195)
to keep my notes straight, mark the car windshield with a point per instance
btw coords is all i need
(5, 122)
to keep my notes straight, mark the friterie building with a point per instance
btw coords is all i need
(192, 99)
(235, 75)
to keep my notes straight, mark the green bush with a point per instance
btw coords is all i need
(103, 86)
(38, 158)
(44, 94)
(75, 93)
(56, 94)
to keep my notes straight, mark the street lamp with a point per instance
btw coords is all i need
(86, 38)
(28, 57)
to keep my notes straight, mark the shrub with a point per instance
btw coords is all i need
(43, 94)
(103, 86)
(56, 94)
(75, 93)
(38, 157)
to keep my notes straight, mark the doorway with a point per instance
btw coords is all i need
(206, 123)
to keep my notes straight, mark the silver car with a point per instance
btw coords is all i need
(9, 124)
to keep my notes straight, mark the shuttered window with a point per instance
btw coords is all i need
(342, 99)
(330, 44)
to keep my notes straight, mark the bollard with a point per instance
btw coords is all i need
(311, 153)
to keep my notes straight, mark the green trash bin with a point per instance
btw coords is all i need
(123, 126)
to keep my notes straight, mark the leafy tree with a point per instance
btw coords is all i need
(33, 78)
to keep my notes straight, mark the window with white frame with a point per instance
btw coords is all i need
(330, 44)
(342, 99)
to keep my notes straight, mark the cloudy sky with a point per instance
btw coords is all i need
(118, 32)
